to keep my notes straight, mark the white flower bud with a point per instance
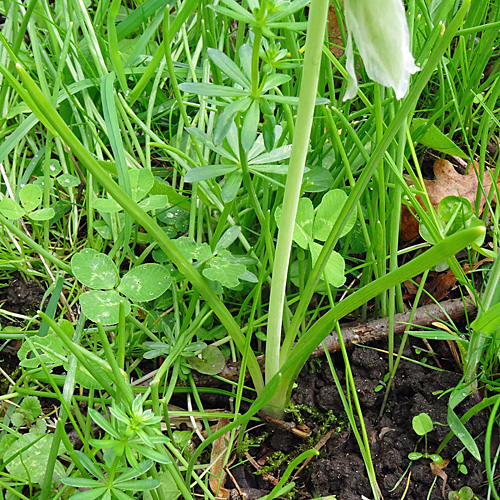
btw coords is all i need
(380, 30)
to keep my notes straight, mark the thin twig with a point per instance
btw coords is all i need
(361, 332)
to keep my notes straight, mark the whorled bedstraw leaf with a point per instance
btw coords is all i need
(334, 271)
(103, 306)
(94, 269)
(232, 184)
(226, 119)
(30, 197)
(224, 269)
(145, 282)
(211, 90)
(302, 233)
(11, 209)
(227, 66)
(212, 361)
(328, 212)
(250, 125)
(205, 172)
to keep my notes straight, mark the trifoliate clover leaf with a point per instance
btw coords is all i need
(94, 269)
(224, 269)
(145, 282)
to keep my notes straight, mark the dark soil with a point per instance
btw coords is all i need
(340, 470)
(21, 297)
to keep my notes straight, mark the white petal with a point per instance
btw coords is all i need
(352, 82)
(380, 30)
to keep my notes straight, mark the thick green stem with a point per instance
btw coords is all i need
(305, 112)
(406, 107)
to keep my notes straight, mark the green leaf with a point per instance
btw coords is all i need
(422, 424)
(49, 348)
(68, 180)
(103, 229)
(432, 137)
(488, 321)
(250, 126)
(415, 456)
(141, 182)
(29, 410)
(226, 119)
(275, 80)
(42, 214)
(55, 167)
(228, 67)
(208, 172)
(106, 205)
(103, 306)
(211, 90)
(224, 269)
(154, 202)
(33, 460)
(192, 250)
(168, 487)
(436, 458)
(207, 141)
(103, 423)
(212, 361)
(94, 269)
(334, 271)
(450, 205)
(145, 282)
(302, 232)
(328, 212)
(11, 209)
(30, 196)
(231, 186)
(228, 238)
(238, 13)
(317, 180)
(273, 156)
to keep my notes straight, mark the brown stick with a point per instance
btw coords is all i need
(362, 332)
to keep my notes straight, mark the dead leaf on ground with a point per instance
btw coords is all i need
(438, 286)
(217, 459)
(447, 182)
(437, 470)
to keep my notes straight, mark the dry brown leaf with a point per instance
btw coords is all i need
(447, 182)
(437, 470)
(217, 458)
(439, 285)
